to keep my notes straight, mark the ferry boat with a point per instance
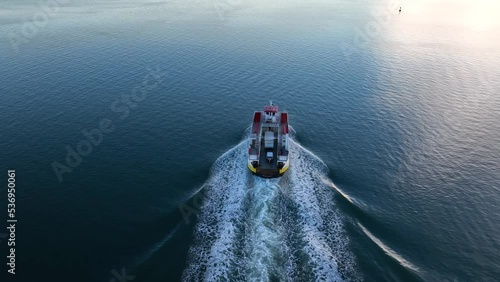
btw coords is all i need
(268, 154)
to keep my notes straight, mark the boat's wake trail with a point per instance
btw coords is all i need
(253, 229)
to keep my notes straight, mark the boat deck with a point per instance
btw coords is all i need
(262, 141)
(268, 169)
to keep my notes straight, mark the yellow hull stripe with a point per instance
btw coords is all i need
(251, 168)
(285, 168)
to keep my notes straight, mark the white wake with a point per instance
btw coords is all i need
(254, 229)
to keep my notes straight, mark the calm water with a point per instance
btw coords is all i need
(395, 172)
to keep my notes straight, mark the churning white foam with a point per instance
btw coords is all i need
(212, 255)
(264, 241)
(255, 229)
(326, 243)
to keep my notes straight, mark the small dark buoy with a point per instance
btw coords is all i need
(400, 9)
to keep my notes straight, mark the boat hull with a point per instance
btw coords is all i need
(269, 172)
(268, 150)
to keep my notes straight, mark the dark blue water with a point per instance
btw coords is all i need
(394, 177)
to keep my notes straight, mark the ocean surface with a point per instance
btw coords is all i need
(395, 172)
